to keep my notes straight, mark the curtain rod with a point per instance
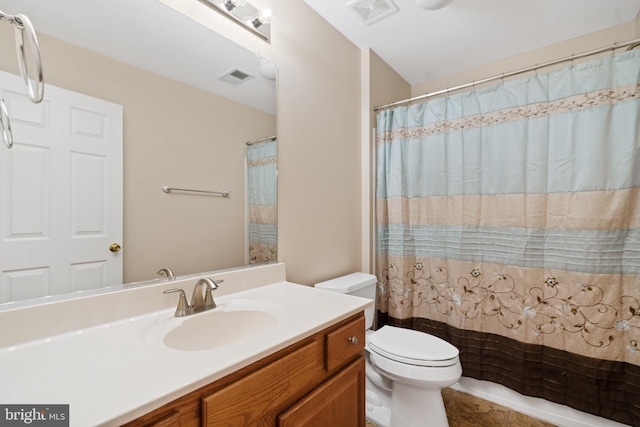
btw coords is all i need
(255, 141)
(632, 43)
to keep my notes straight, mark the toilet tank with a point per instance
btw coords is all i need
(358, 284)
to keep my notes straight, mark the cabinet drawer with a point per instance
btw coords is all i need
(169, 420)
(344, 343)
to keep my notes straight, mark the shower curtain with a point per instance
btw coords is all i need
(508, 223)
(262, 166)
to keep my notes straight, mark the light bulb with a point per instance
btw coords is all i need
(232, 4)
(262, 17)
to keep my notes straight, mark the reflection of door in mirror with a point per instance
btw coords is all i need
(262, 171)
(61, 194)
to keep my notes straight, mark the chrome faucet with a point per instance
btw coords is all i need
(167, 272)
(201, 300)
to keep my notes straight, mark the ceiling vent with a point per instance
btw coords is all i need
(371, 11)
(236, 77)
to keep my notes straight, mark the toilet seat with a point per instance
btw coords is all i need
(412, 347)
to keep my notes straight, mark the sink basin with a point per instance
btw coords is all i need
(231, 322)
(215, 329)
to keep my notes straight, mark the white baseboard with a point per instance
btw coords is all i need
(554, 413)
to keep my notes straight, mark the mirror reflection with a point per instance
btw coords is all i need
(262, 186)
(137, 97)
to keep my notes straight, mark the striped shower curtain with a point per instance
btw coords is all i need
(508, 223)
(262, 185)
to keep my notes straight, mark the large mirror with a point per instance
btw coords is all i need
(186, 99)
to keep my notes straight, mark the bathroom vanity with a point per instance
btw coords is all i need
(271, 353)
(318, 381)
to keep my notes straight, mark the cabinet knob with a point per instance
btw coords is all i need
(353, 340)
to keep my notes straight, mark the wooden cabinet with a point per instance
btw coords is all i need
(169, 419)
(318, 381)
(332, 404)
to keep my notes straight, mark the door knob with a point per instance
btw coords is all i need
(114, 247)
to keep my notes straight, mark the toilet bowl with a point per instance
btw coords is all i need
(419, 366)
(405, 369)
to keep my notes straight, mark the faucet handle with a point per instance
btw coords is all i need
(183, 305)
(214, 284)
(209, 303)
(166, 272)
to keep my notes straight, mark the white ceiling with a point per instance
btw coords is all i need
(422, 45)
(152, 36)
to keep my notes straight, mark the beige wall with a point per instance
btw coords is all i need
(319, 203)
(174, 135)
(381, 85)
(386, 85)
(577, 45)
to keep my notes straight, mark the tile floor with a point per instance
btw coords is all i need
(465, 410)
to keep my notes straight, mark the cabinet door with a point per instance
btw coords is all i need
(256, 399)
(338, 402)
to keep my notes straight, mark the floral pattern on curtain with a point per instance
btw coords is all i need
(508, 223)
(262, 186)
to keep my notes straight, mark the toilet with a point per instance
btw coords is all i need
(405, 369)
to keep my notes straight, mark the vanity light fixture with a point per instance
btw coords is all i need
(245, 14)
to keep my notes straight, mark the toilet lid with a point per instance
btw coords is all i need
(412, 347)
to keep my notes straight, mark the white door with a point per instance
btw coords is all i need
(60, 193)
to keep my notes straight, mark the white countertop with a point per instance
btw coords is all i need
(117, 371)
